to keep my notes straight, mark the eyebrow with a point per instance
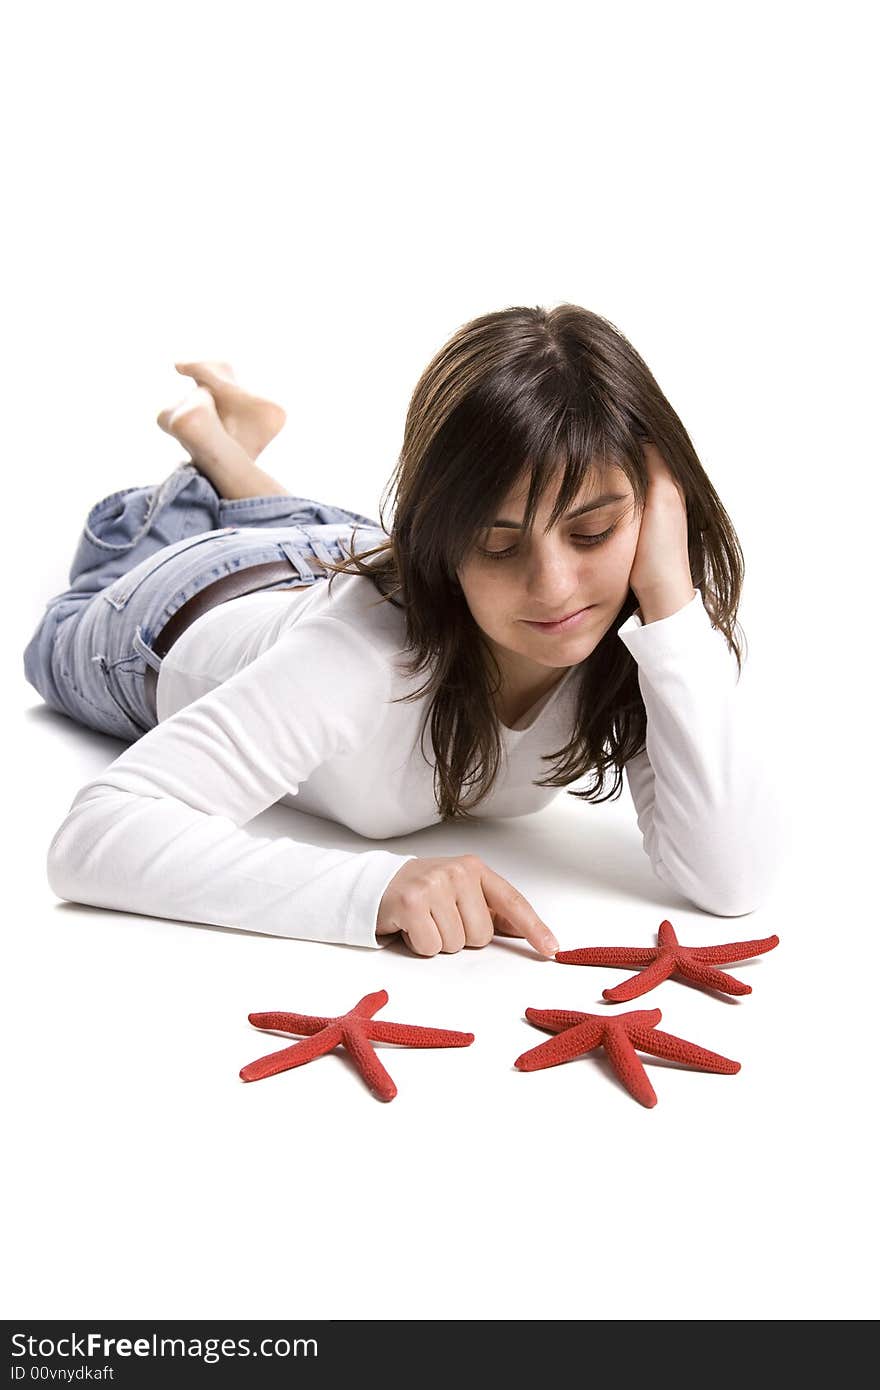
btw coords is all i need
(597, 502)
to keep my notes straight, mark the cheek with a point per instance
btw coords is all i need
(606, 568)
(626, 549)
(621, 550)
(480, 593)
(486, 594)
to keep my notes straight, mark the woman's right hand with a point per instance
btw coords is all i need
(449, 902)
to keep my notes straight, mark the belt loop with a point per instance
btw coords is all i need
(145, 651)
(321, 551)
(296, 557)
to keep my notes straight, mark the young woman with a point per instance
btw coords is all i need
(554, 599)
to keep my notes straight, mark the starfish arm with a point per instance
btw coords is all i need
(622, 1056)
(571, 1043)
(679, 1050)
(655, 974)
(703, 974)
(304, 1051)
(413, 1036)
(367, 1063)
(666, 934)
(734, 950)
(608, 955)
(556, 1019)
(370, 1004)
(290, 1023)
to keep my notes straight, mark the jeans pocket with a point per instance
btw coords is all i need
(114, 689)
(120, 592)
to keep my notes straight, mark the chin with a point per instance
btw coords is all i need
(564, 652)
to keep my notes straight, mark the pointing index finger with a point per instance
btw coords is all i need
(519, 916)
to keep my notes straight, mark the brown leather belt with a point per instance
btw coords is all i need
(231, 585)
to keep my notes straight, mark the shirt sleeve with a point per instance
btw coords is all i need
(159, 832)
(705, 802)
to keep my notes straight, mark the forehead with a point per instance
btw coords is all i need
(602, 478)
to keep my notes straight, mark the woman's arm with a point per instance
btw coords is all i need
(703, 787)
(160, 831)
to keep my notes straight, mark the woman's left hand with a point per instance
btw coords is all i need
(660, 576)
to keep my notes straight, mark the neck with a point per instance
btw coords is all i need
(522, 688)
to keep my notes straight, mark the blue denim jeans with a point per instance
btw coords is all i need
(143, 552)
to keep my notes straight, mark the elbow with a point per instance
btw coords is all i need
(737, 880)
(58, 864)
(728, 905)
(71, 857)
(726, 889)
(736, 861)
(78, 858)
(732, 895)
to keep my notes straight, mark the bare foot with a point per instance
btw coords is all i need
(218, 369)
(196, 424)
(252, 420)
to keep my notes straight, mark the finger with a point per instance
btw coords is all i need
(656, 464)
(519, 915)
(505, 928)
(479, 927)
(422, 937)
(449, 926)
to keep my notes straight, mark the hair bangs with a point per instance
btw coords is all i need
(581, 455)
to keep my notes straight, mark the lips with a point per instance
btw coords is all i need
(559, 624)
(551, 622)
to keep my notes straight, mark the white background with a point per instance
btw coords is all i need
(322, 196)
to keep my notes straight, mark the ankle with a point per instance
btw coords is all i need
(235, 480)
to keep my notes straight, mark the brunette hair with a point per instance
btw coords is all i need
(513, 393)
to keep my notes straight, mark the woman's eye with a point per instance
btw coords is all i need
(581, 540)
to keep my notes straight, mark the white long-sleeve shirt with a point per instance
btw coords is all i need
(289, 696)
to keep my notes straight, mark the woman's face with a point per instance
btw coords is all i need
(519, 588)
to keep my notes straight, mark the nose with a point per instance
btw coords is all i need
(553, 576)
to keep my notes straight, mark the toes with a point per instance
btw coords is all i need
(207, 372)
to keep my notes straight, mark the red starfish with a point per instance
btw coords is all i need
(620, 1035)
(354, 1030)
(668, 957)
